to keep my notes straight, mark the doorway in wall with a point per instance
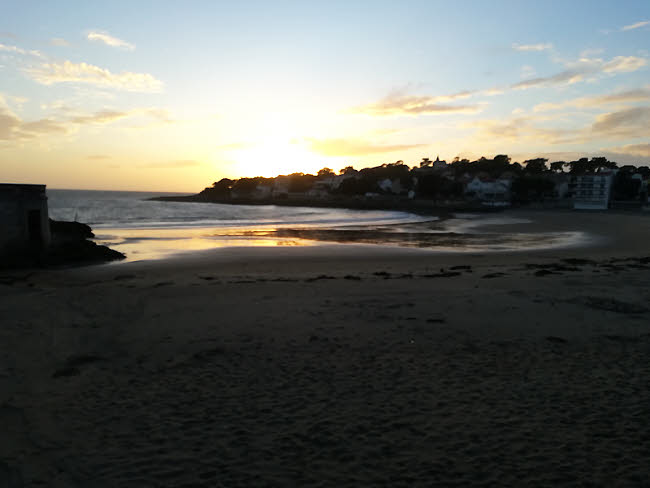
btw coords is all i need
(34, 226)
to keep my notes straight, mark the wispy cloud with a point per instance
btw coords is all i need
(101, 117)
(642, 150)
(579, 70)
(354, 147)
(629, 96)
(14, 128)
(636, 25)
(68, 72)
(109, 40)
(58, 41)
(630, 122)
(97, 157)
(179, 163)
(398, 104)
(523, 129)
(532, 130)
(532, 47)
(19, 50)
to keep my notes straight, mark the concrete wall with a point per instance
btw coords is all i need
(24, 220)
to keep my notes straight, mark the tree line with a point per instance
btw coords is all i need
(530, 179)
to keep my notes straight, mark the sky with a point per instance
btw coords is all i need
(171, 96)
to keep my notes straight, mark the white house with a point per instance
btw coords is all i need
(489, 189)
(593, 191)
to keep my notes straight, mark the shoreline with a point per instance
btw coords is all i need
(514, 231)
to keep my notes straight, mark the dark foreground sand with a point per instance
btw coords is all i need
(333, 366)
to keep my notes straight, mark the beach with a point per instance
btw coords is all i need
(336, 365)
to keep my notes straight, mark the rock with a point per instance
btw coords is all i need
(66, 231)
(78, 251)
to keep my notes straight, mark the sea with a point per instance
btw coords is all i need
(143, 229)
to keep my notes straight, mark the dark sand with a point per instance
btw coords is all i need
(334, 366)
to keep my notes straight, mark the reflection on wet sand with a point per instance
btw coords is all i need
(156, 243)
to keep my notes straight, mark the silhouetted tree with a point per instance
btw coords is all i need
(558, 166)
(535, 166)
(356, 186)
(531, 188)
(300, 182)
(624, 186)
(347, 170)
(425, 163)
(325, 172)
(601, 163)
(643, 171)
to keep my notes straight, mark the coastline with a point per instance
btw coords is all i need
(334, 364)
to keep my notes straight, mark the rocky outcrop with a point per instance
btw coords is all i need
(69, 231)
(70, 244)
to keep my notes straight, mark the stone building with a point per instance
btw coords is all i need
(24, 221)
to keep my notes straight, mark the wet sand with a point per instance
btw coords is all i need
(334, 366)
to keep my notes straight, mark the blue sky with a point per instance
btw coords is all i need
(174, 95)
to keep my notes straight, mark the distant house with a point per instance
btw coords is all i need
(487, 189)
(24, 221)
(390, 186)
(592, 191)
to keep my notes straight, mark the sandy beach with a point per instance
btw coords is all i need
(335, 365)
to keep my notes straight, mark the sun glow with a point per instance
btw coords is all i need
(273, 157)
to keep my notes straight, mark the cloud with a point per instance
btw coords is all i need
(527, 71)
(19, 50)
(523, 129)
(101, 117)
(630, 122)
(58, 41)
(622, 124)
(630, 96)
(97, 157)
(577, 71)
(624, 64)
(68, 72)
(642, 150)
(110, 40)
(532, 47)
(636, 26)
(13, 128)
(397, 104)
(180, 163)
(354, 147)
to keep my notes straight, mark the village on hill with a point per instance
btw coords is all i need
(594, 183)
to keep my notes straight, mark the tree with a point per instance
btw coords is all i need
(579, 167)
(558, 166)
(325, 173)
(531, 187)
(535, 166)
(348, 170)
(245, 186)
(601, 163)
(300, 182)
(425, 163)
(625, 187)
(644, 171)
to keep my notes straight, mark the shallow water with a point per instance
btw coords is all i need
(142, 229)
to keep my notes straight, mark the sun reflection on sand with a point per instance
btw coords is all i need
(138, 244)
